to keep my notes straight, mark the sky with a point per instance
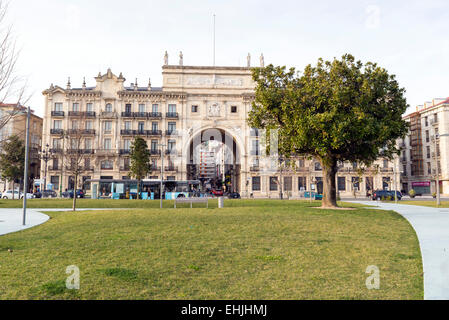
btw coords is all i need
(67, 38)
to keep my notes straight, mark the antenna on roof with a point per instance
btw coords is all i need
(214, 44)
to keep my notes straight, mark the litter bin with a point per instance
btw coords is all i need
(220, 202)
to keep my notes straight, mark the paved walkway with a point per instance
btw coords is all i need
(432, 227)
(11, 219)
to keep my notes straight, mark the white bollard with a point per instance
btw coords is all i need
(220, 202)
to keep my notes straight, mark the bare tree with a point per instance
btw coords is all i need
(12, 85)
(77, 151)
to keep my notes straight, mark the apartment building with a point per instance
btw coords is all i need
(426, 148)
(195, 104)
(13, 121)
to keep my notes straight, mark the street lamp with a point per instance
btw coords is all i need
(45, 155)
(281, 160)
(25, 174)
(437, 173)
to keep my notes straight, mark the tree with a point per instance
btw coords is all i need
(12, 85)
(140, 161)
(339, 110)
(76, 152)
(12, 160)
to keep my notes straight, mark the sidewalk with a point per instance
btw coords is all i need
(11, 219)
(432, 228)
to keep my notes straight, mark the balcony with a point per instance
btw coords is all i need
(56, 150)
(386, 169)
(155, 169)
(88, 131)
(105, 152)
(171, 169)
(171, 132)
(155, 152)
(140, 114)
(124, 168)
(155, 115)
(57, 113)
(108, 115)
(154, 132)
(127, 132)
(124, 151)
(56, 131)
(171, 152)
(88, 168)
(54, 168)
(84, 114)
(127, 115)
(80, 151)
(254, 152)
(254, 168)
(172, 115)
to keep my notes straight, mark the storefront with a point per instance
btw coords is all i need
(421, 187)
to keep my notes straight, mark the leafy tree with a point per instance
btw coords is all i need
(339, 110)
(140, 161)
(12, 159)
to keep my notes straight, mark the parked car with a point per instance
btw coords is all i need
(46, 194)
(69, 193)
(384, 194)
(314, 195)
(217, 193)
(234, 195)
(17, 195)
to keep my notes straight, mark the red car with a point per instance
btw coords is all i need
(217, 193)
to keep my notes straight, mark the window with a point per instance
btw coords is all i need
(141, 107)
(256, 183)
(369, 184)
(54, 180)
(154, 108)
(172, 126)
(233, 109)
(172, 108)
(429, 168)
(128, 108)
(86, 185)
(107, 126)
(55, 163)
(88, 144)
(74, 124)
(341, 183)
(438, 149)
(127, 144)
(318, 166)
(127, 125)
(255, 147)
(287, 183)
(141, 126)
(385, 183)
(427, 136)
(107, 144)
(302, 183)
(89, 125)
(385, 164)
(90, 107)
(108, 107)
(58, 106)
(435, 117)
(154, 145)
(154, 126)
(404, 168)
(194, 108)
(273, 183)
(428, 152)
(355, 183)
(76, 107)
(107, 164)
(171, 145)
(426, 121)
(57, 124)
(57, 144)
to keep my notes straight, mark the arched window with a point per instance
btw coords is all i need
(108, 107)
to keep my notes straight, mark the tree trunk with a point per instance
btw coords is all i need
(138, 189)
(74, 193)
(13, 185)
(329, 185)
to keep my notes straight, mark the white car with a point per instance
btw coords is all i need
(8, 195)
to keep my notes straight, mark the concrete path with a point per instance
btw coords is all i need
(11, 219)
(432, 227)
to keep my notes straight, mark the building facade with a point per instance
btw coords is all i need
(426, 148)
(194, 106)
(13, 122)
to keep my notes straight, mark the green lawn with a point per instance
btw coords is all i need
(428, 203)
(251, 249)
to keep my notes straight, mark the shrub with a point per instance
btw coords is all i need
(412, 193)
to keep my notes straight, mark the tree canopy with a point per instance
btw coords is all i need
(339, 110)
(12, 158)
(140, 160)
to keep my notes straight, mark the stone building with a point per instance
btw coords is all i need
(13, 120)
(196, 104)
(426, 147)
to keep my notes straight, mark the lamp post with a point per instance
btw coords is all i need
(394, 181)
(162, 171)
(437, 170)
(45, 155)
(25, 174)
(280, 178)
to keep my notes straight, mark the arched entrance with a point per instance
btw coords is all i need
(213, 158)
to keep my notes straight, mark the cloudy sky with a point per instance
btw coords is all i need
(68, 38)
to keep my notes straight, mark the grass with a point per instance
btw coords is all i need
(426, 203)
(251, 249)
